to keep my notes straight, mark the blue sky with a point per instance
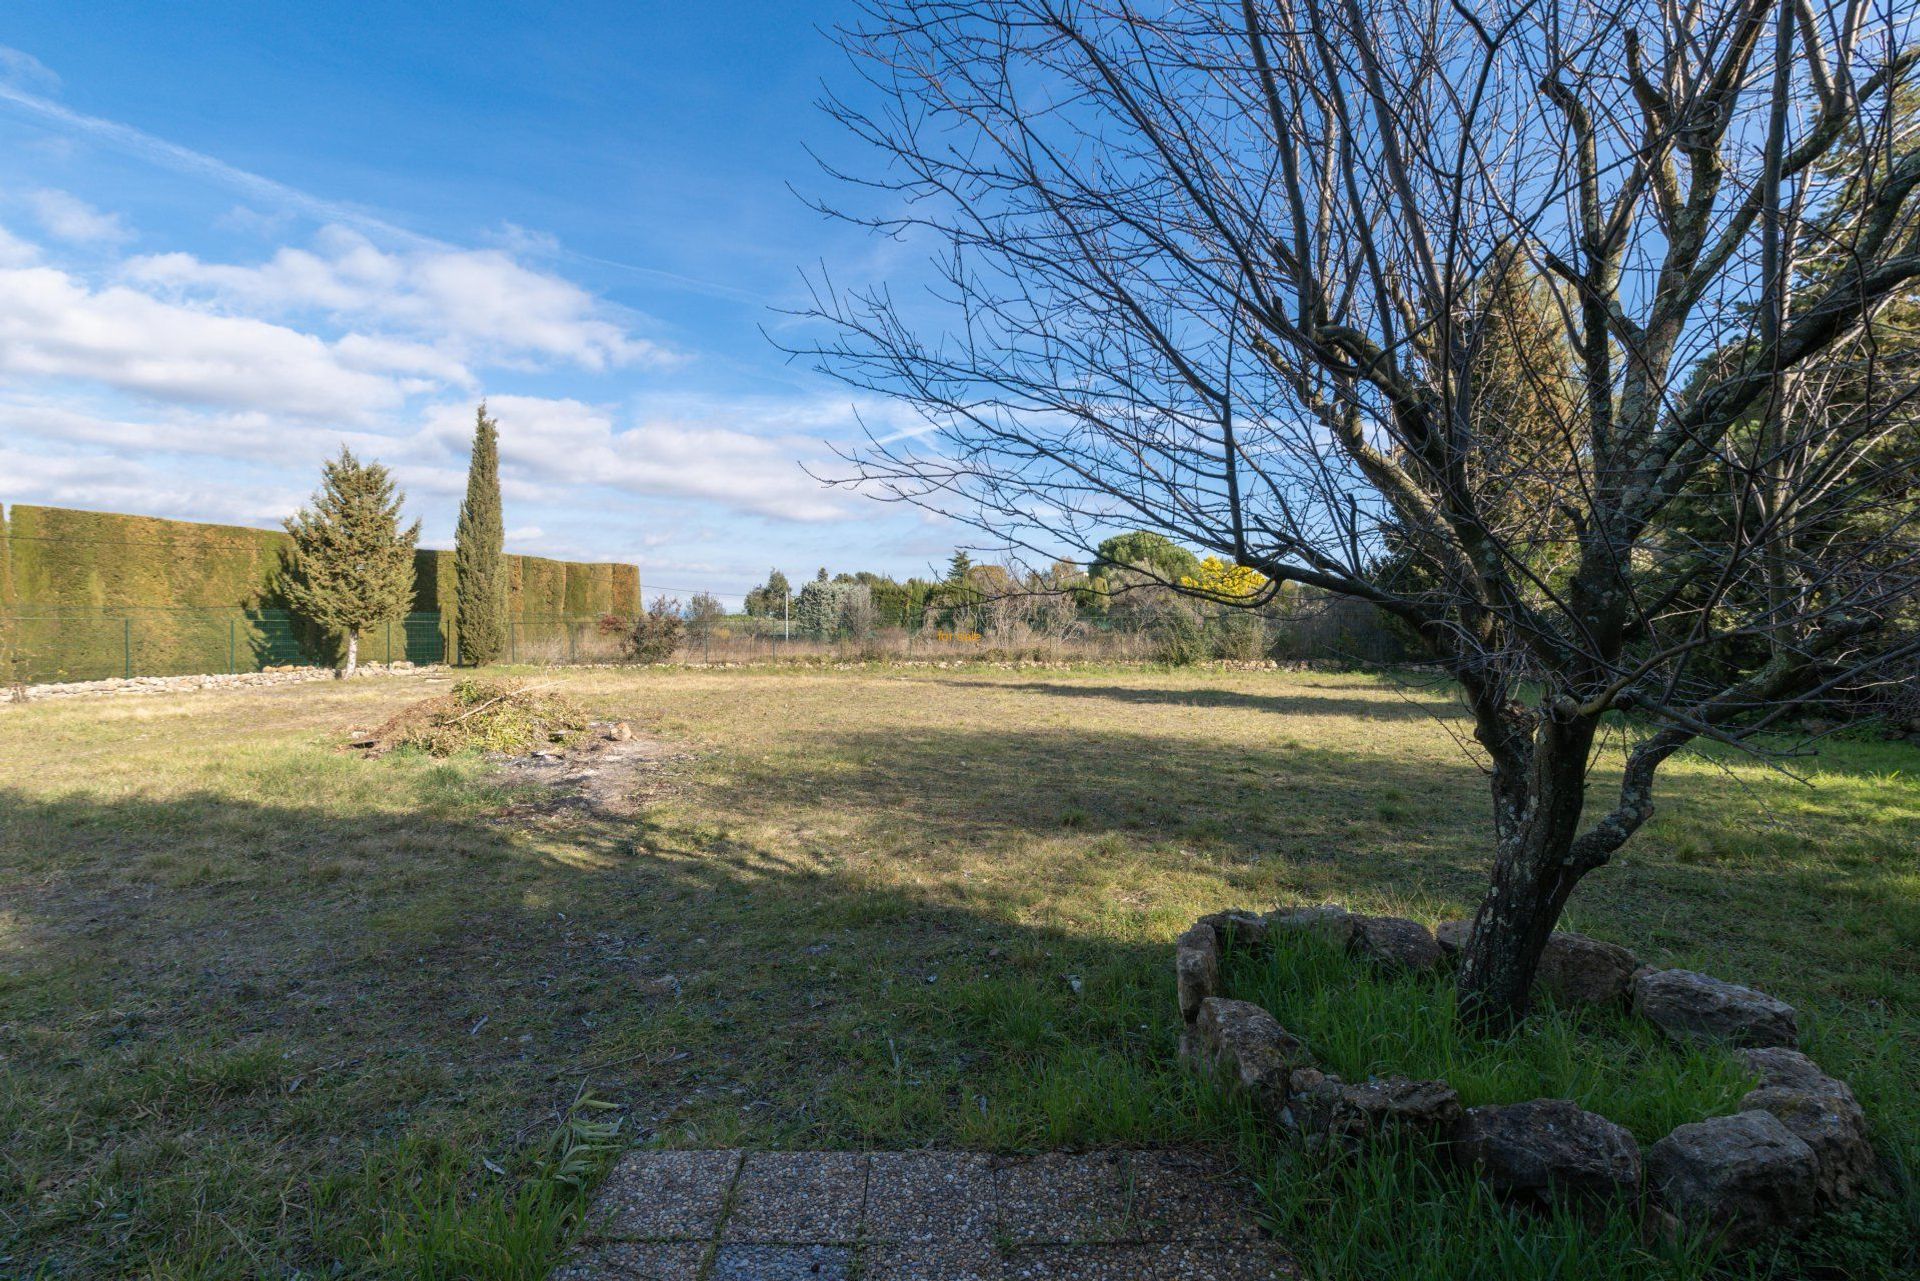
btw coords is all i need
(233, 236)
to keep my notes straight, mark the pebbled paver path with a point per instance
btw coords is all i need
(922, 1216)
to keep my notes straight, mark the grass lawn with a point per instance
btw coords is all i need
(269, 1009)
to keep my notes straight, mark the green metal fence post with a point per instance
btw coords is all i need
(126, 645)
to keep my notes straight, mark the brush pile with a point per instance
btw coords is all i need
(479, 715)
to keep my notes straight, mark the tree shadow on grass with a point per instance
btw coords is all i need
(1264, 813)
(237, 1033)
(1408, 701)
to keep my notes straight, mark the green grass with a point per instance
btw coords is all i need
(268, 1008)
(1403, 1210)
(1361, 1023)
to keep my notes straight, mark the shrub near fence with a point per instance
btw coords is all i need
(1338, 636)
(562, 640)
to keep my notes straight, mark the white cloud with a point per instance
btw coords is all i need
(551, 449)
(67, 217)
(111, 482)
(525, 242)
(174, 385)
(53, 325)
(374, 354)
(15, 252)
(688, 451)
(251, 436)
(22, 70)
(477, 304)
(252, 222)
(24, 82)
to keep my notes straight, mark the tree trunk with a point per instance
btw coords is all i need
(353, 654)
(1535, 869)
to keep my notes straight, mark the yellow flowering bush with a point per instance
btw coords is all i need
(1225, 582)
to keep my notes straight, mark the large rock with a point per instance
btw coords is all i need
(1395, 942)
(1246, 1047)
(1196, 968)
(1577, 970)
(1692, 1007)
(1242, 930)
(1329, 921)
(1355, 1111)
(1831, 1123)
(1741, 1176)
(1549, 1149)
(1451, 937)
(1790, 1069)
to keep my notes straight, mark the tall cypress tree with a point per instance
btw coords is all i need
(479, 567)
(351, 566)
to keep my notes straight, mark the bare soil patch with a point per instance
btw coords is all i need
(611, 772)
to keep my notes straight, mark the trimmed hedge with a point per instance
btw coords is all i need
(201, 598)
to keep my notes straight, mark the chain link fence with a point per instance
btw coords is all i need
(73, 645)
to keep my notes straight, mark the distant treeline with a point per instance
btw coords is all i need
(1191, 607)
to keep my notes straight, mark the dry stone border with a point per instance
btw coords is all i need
(1798, 1144)
(922, 1216)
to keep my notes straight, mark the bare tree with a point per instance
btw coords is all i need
(1227, 271)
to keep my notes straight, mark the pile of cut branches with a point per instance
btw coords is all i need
(479, 715)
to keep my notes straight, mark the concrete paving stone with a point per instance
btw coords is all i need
(1242, 1261)
(632, 1261)
(664, 1196)
(918, 1197)
(1225, 1261)
(1058, 1197)
(1083, 1263)
(1171, 1215)
(938, 1261)
(810, 1197)
(783, 1263)
(1186, 1196)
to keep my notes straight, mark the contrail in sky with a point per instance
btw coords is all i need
(185, 160)
(159, 151)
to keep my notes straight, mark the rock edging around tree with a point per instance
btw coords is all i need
(1798, 1144)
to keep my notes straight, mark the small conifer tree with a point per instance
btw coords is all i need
(479, 563)
(351, 566)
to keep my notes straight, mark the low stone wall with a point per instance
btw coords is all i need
(186, 684)
(1797, 1145)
